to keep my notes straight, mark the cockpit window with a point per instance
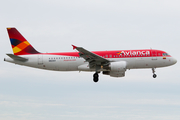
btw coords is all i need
(165, 54)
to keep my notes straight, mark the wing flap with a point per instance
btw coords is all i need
(89, 56)
(92, 58)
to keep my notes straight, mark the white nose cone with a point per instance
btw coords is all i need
(174, 61)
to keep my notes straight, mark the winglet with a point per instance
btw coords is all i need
(74, 47)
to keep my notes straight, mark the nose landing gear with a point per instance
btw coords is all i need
(154, 75)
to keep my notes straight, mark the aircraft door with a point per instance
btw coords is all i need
(40, 59)
(154, 55)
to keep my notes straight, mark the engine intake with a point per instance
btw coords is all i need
(118, 66)
(117, 69)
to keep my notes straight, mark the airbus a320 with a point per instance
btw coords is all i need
(112, 63)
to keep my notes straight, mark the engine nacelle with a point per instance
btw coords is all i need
(114, 74)
(118, 66)
(117, 69)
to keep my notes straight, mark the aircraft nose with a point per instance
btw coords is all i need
(174, 60)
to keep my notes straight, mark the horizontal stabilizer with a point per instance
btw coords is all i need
(15, 57)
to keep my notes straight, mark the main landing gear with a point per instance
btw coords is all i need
(96, 77)
(154, 75)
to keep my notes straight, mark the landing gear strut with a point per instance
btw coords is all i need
(154, 75)
(96, 77)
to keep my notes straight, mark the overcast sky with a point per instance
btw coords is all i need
(53, 25)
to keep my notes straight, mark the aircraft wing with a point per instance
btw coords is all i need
(92, 58)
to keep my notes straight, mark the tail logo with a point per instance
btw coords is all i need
(20, 45)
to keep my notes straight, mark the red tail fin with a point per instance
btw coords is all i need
(19, 44)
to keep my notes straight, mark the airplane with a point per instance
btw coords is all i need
(112, 63)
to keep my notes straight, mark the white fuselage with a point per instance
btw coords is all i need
(68, 63)
(113, 63)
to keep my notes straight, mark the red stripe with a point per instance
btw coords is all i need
(114, 53)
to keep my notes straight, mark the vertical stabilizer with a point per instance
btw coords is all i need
(19, 44)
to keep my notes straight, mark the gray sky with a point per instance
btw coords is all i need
(53, 25)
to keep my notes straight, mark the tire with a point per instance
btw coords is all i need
(154, 75)
(95, 77)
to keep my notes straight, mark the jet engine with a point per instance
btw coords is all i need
(117, 69)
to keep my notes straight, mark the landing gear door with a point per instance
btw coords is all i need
(154, 55)
(40, 59)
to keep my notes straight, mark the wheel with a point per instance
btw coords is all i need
(154, 75)
(95, 77)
